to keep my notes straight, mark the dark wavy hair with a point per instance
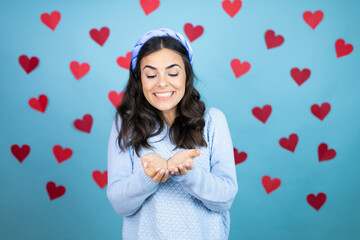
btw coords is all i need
(140, 118)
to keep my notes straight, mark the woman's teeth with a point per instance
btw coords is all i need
(164, 94)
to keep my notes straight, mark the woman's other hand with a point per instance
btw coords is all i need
(155, 167)
(182, 161)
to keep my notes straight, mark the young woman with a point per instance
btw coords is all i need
(171, 168)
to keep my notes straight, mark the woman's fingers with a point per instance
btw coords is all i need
(159, 175)
(165, 176)
(182, 169)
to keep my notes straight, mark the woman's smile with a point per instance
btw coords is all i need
(164, 96)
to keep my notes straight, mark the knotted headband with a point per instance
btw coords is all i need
(161, 32)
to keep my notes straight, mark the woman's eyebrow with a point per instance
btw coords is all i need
(170, 66)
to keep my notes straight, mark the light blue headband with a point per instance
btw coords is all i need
(161, 32)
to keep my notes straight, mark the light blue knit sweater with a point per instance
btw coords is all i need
(192, 206)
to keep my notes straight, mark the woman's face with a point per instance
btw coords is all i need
(163, 79)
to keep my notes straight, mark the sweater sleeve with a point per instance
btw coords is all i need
(217, 188)
(126, 190)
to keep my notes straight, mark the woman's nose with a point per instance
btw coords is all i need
(162, 80)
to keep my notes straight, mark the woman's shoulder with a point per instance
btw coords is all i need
(213, 113)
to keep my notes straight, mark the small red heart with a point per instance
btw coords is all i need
(20, 153)
(54, 191)
(324, 153)
(149, 5)
(115, 98)
(343, 49)
(52, 20)
(61, 154)
(273, 41)
(320, 112)
(270, 185)
(262, 114)
(100, 36)
(239, 157)
(84, 124)
(290, 143)
(193, 32)
(300, 76)
(39, 104)
(238, 68)
(79, 70)
(28, 65)
(316, 202)
(124, 62)
(313, 19)
(231, 8)
(100, 178)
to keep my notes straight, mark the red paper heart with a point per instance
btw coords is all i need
(84, 124)
(316, 202)
(231, 8)
(100, 178)
(262, 114)
(300, 76)
(100, 36)
(239, 157)
(28, 65)
(238, 68)
(79, 70)
(273, 41)
(52, 20)
(149, 5)
(270, 185)
(124, 62)
(61, 154)
(20, 153)
(115, 98)
(343, 49)
(324, 153)
(193, 32)
(39, 104)
(320, 112)
(313, 19)
(290, 143)
(54, 191)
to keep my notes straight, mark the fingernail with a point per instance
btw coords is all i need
(181, 166)
(187, 164)
(145, 164)
(176, 170)
(162, 171)
(157, 169)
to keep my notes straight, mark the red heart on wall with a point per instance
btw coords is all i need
(239, 68)
(313, 19)
(149, 6)
(79, 70)
(39, 104)
(84, 124)
(115, 98)
(316, 201)
(20, 153)
(54, 191)
(262, 113)
(290, 143)
(270, 185)
(100, 178)
(324, 153)
(100, 36)
(52, 20)
(320, 112)
(124, 62)
(273, 41)
(28, 65)
(343, 49)
(239, 157)
(300, 76)
(193, 32)
(61, 154)
(231, 8)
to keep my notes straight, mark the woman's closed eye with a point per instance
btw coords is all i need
(172, 75)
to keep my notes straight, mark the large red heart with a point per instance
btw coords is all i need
(239, 157)
(54, 191)
(20, 153)
(273, 41)
(324, 153)
(231, 8)
(100, 36)
(79, 70)
(115, 98)
(100, 178)
(290, 143)
(300, 76)
(52, 20)
(239, 68)
(320, 112)
(270, 185)
(313, 19)
(124, 62)
(61, 154)
(149, 5)
(39, 104)
(193, 32)
(343, 49)
(316, 202)
(262, 114)
(28, 65)
(84, 124)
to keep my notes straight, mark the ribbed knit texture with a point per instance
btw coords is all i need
(192, 206)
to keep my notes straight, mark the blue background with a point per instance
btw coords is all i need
(84, 211)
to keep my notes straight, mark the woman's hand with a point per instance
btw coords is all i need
(183, 160)
(155, 167)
